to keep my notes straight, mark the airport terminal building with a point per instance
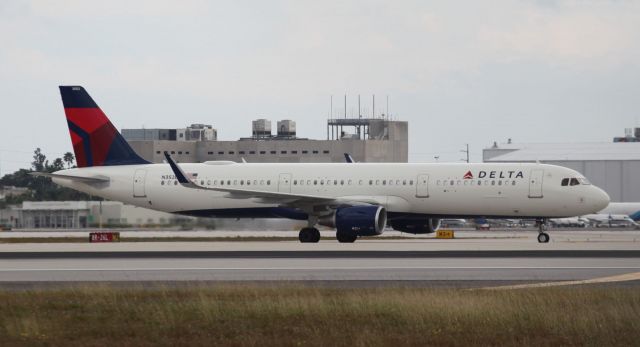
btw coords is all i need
(365, 139)
(613, 167)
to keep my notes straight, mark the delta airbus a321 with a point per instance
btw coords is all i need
(357, 199)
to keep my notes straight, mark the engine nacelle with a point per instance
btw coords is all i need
(362, 220)
(416, 226)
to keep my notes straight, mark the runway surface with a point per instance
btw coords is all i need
(495, 259)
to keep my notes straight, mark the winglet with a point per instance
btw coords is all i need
(349, 158)
(180, 175)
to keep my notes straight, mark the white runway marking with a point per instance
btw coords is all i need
(337, 268)
(609, 279)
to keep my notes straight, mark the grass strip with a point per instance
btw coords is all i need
(292, 315)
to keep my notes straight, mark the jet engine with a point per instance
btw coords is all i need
(415, 226)
(357, 220)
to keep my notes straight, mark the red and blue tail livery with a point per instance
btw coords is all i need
(96, 142)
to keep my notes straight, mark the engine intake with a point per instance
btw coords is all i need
(361, 220)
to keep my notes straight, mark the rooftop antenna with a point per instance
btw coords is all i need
(387, 107)
(374, 107)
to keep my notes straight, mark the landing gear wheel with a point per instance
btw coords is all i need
(309, 235)
(543, 237)
(346, 237)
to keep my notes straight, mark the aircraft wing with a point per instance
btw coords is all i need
(264, 196)
(84, 179)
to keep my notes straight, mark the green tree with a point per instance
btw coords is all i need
(69, 159)
(56, 165)
(39, 162)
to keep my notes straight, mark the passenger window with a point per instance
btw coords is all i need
(565, 182)
(370, 182)
(384, 182)
(479, 182)
(308, 182)
(241, 182)
(335, 182)
(493, 183)
(349, 182)
(208, 182)
(301, 182)
(268, 182)
(574, 182)
(261, 182)
(228, 182)
(248, 182)
(235, 182)
(397, 182)
(360, 182)
(499, 183)
(513, 183)
(295, 182)
(411, 182)
(377, 182)
(404, 182)
(315, 182)
(321, 182)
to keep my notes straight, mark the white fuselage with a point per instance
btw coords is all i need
(502, 190)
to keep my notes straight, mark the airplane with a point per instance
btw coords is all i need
(602, 220)
(631, 209)
(357, 200)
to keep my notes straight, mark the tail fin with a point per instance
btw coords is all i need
(96, 142)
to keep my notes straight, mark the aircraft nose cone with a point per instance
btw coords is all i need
(601, 199)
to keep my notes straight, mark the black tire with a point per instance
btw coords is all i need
(543, 238)
(315, 235)
(346, 237)
(306, 235)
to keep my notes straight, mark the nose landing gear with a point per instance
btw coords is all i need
(542, 226)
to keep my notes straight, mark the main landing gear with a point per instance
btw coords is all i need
(309, 234)
(346, 237)
(542, 236)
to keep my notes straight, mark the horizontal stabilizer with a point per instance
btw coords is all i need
(97, 179)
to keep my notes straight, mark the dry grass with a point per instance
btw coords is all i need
(296, 315)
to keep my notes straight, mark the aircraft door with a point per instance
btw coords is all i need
(535, 183)
(284, 184)
(138, 183)
(422, 186)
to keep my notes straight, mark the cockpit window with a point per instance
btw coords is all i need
(565, 182)
(584, 181)
(574, 182)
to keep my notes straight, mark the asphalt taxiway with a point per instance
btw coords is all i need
(488, 258)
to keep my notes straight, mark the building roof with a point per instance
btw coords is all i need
(565, 151)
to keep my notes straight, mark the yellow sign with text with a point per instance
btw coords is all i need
(444, 234)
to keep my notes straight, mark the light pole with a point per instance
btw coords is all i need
(466, 151)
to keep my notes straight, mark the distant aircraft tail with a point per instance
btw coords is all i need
(96, 142)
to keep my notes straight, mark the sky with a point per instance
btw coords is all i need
(458, 71)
